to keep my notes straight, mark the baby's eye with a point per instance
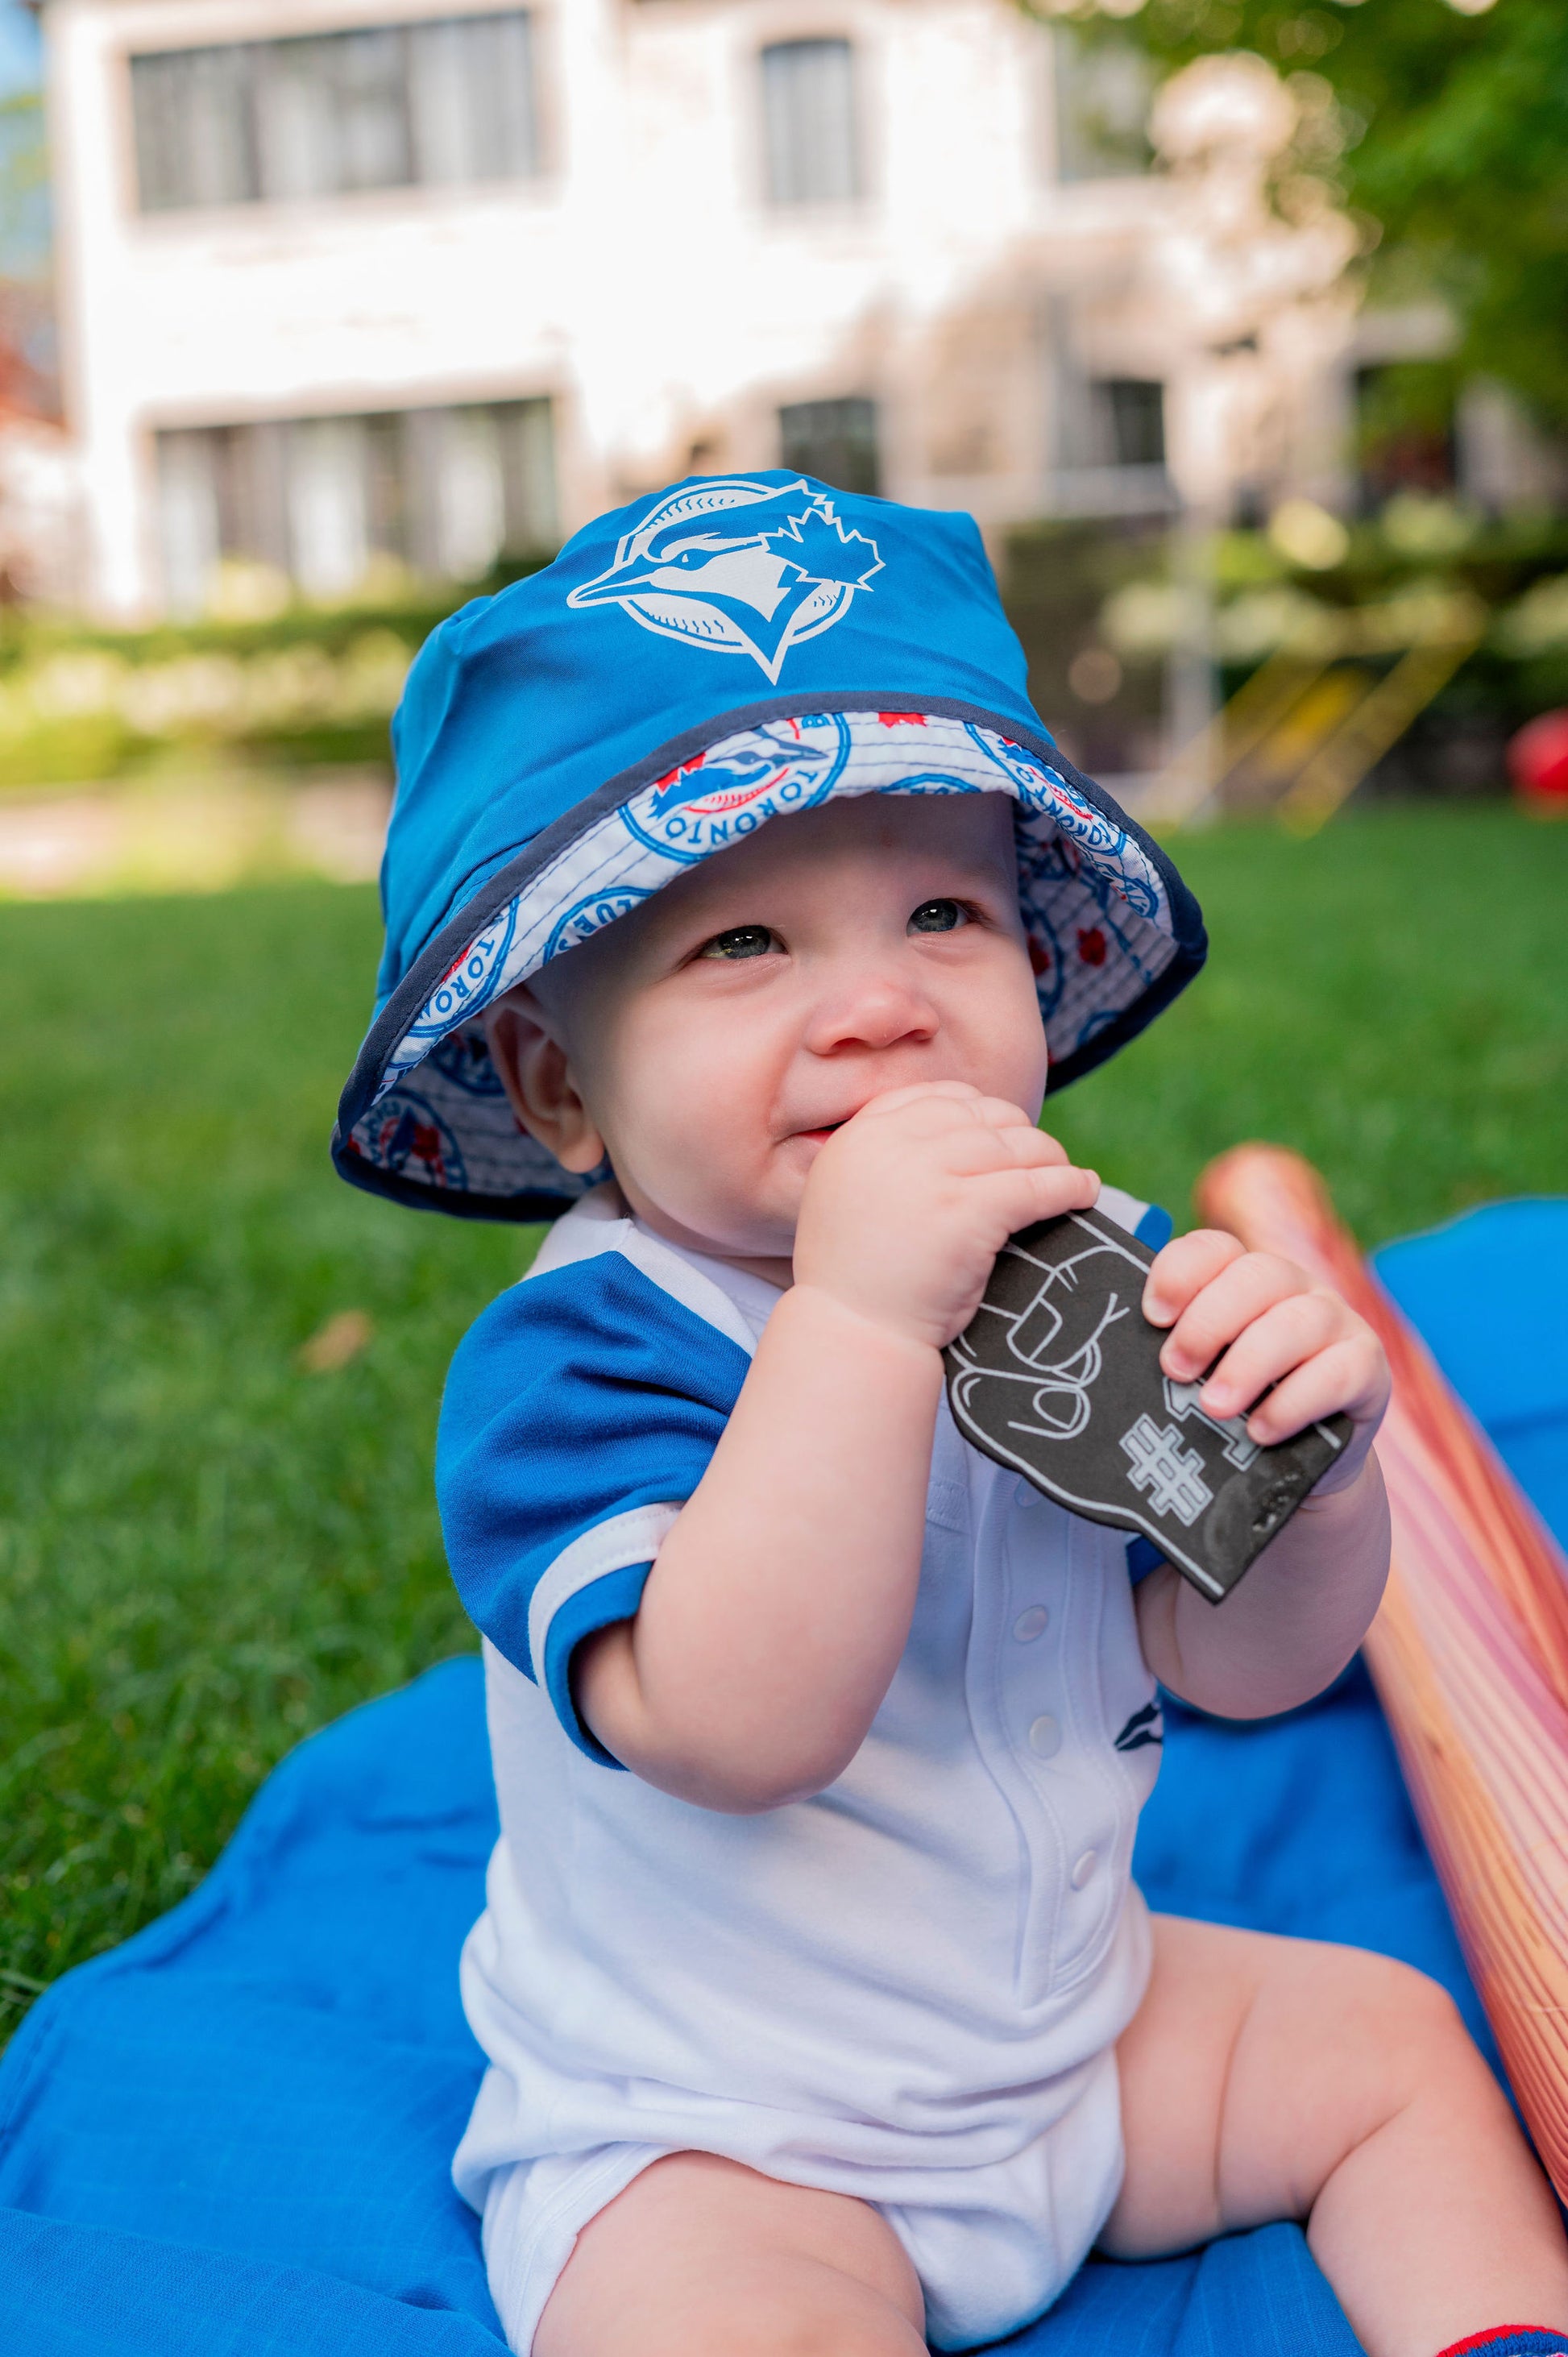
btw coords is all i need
(741, 942)
(938, 917)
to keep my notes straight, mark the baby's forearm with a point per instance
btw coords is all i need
(780, 1602)
(1293, 1622)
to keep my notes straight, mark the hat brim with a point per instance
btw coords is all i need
(1114, 933)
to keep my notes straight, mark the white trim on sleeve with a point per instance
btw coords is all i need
(634, 1537)
(599, 1223)
(674, 1275)
(1118, 1205)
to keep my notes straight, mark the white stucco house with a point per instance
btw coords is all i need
(433, 279)
(420, 281)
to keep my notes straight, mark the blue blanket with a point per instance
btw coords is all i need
(233, 2134)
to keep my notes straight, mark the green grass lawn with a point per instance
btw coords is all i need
(205, 1550)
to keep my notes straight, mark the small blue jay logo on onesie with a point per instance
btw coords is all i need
(738, 567)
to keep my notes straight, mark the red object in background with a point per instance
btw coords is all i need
(1538, 758)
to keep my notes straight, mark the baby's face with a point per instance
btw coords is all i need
(711, 1040)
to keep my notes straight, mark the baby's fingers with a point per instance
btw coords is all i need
(1182, 1270)
(1246, 1286)
(1021, 1141)
(919, 1092)
(1016, 1198)
(1351, 1375)
(1267, 1350)
(972, 1151)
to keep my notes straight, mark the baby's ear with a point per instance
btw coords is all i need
(531, 1062)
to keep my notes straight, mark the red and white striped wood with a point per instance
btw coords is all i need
(1470, 1651)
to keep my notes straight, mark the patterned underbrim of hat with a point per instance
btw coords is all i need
(1107, 945)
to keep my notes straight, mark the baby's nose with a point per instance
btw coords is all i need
(873, 1009)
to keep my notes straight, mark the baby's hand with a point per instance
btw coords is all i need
(908, 1204)
(1266, 1323)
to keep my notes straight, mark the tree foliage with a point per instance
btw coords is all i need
(1455, 124)
(23, 186)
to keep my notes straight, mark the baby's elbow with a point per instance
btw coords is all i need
(718, 1749)
(729, 1753)
(748, 1785)
(1260, 1691)
(728, 1798)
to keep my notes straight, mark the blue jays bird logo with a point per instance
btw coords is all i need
(745, 766)
(727, 791)
(739, 567)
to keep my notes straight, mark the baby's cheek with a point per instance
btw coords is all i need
(1009, 1037)
(691, 1129)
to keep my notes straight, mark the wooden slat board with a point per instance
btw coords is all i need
(1470, 1651)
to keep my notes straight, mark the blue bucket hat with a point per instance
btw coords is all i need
(690, 666)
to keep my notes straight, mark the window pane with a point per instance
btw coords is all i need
(156, 88)
(188, 517)
(387, 519)
(296, 125)
(833, 440)
(1131, 421)
(438, 103)
(221, 493)
(499, 72)
(473, 494)
(232, 477)
(446, 101)
(471, 92)
(528, 462)
(452, 491)
(808, 91)
(265, 536)
(370, 69)
(195, 139)
(333, 115)
(327, 508)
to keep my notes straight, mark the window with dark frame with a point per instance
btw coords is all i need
(835, 441)
(451, 493)
(446, 102)
(1129, 421)
(809, 122)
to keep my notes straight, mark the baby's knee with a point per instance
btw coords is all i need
(1399, 2006)
(1409, 2038)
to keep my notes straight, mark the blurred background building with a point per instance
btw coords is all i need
(315, 315)
(346, 280)
(350, 284)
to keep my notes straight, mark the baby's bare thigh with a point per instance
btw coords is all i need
(1252, 2066)
(701, 2258)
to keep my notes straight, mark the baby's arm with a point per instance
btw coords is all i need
(1307, 1603)
(775, 1613)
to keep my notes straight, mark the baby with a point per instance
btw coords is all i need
(821, 2010)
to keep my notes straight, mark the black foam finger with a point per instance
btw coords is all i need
(1058, 1375)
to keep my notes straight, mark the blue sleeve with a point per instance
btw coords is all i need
(1143, 1558)
(579, 1415)
(1147, 1222)
(1155, 1228)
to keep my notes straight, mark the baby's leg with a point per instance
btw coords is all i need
(1266, 2077)
(700, 2257)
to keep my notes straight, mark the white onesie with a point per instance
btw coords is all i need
(907, 1988)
